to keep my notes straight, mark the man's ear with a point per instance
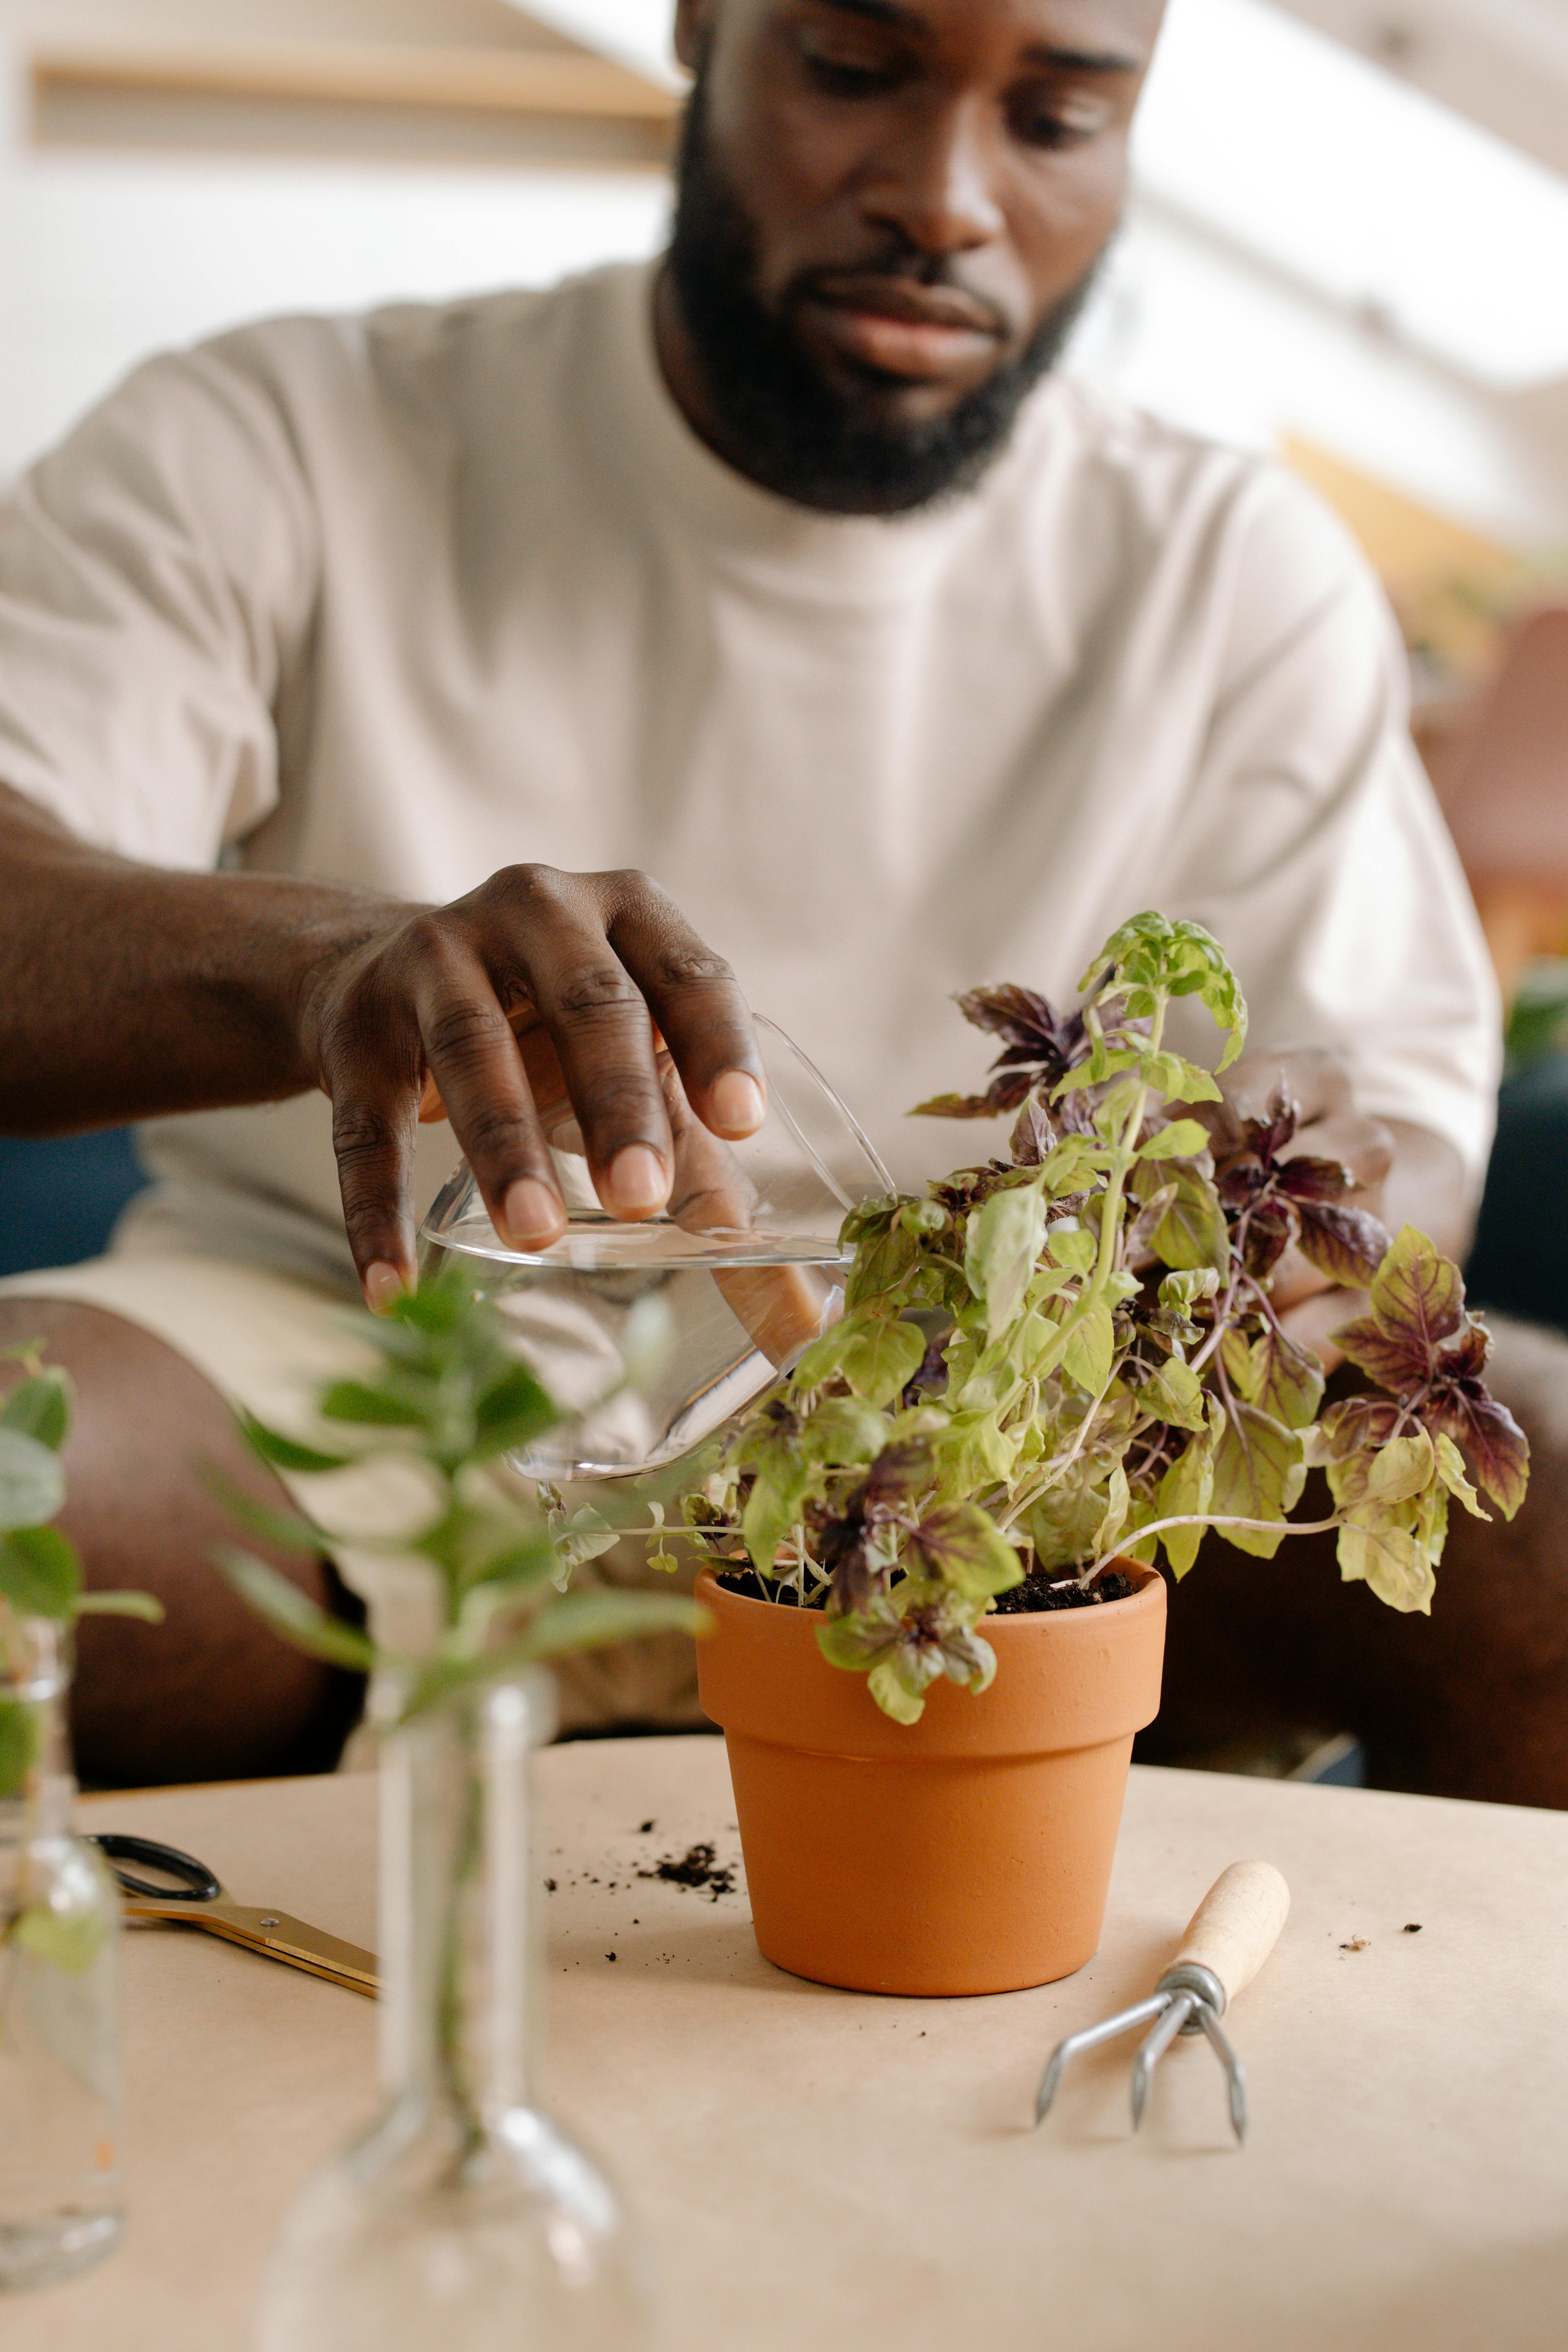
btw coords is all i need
(693, 28)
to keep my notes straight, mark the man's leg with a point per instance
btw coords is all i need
(1471, 1702)
(211, 1693)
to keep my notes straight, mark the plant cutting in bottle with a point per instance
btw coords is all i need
(40, 1578)
(1069, 1358)
(463, 2212)
(451, 1398)
(59, 2034)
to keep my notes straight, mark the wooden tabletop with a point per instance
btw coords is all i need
(830, 2172)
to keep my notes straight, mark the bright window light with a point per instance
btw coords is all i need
(1295, 148)
(635, 32)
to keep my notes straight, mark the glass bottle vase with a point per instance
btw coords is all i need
(59, 1984)
(463, 2216)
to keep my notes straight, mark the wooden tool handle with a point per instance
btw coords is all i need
(1237, 1924)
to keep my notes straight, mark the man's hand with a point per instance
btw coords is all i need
(1404, 1172)
(575, 980)
(128, 991)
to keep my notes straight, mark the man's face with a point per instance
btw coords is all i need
(889, 210)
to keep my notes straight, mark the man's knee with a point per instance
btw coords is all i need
(210, 1694)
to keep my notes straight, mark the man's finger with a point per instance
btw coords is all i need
(471, 1054)
(373, 1120)
(600, 1026)
(696, 1001)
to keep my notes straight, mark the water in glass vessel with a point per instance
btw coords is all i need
(745, 1261)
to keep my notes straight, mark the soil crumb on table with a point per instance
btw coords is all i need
(1356, 1944)
(697, 1867)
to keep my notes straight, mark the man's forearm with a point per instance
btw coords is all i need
(127, 991)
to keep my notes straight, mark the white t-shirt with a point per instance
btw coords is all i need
(395, 600)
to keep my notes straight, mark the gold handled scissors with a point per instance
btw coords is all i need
(198, 1900)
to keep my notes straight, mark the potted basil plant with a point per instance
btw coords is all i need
(1059, 1367)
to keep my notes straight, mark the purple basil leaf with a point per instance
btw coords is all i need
(1347, 1244)
(1033, 1136)
(1394, 1361)
(1015, 1014)
(1306, 1179)
(1491, 1441)
(1419, 1295)
(955, 1107)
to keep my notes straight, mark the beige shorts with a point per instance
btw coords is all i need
(267, 1341)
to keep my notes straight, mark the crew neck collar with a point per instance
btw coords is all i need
(788, 547)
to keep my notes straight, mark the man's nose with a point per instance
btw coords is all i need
(933, 181)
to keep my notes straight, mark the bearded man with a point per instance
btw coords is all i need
(371, 689)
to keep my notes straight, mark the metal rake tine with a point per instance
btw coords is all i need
(1235, 2072)
(1153, 2046)
(1089, 2039)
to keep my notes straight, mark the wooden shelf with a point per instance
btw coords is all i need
(472, 82)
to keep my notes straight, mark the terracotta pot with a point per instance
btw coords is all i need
(969, 1852)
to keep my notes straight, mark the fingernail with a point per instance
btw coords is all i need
(530, 1212)
(738, 1105)
(636, 1183)
(382, 1283)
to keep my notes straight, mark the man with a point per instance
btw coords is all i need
(348, 669)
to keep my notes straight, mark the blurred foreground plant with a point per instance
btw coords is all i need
(449, 1399)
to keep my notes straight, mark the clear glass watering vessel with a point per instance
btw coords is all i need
(745, 1260)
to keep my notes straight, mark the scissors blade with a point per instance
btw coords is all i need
(274, 1934)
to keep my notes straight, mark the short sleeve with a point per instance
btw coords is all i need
(157, 584)
(1313, 846)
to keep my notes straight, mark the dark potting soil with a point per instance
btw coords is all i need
(697, 1867)
(1032, 1597)
(1039, 1592)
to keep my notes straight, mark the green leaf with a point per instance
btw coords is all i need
(1259, 1470)
(1118, 1504)
(881, 1262)
(1192, 1235)
(1184, 1138)
(20, 1737)
(353, 1401)
(881, 1357)
(773, 1506)
(896, 1692)
(588, 1621)
(1064, 1522)
(140, 1605)
(961, 1546)
(512, 1412)
(1071, 1246)
(1403, 1467)
(1451, 1470)
(41, 1408)
(40, 1574)
(1186, 1491)
(845, 1430)
(32, 1483)
(1175, 1395)
(293, 1614)
(1376, 1549)
(286, 1452)
(1179, 1292)
(1179, 1080)
(1090, 1354)
(1287, 1381)
(1006, 1235)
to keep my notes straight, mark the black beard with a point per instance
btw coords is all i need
(785, 425)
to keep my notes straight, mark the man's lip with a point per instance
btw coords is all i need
(920, 332)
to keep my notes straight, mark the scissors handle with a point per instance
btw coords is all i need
(197, 1883)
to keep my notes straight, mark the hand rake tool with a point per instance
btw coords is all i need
(1230, 1937)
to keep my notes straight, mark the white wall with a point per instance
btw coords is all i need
(104, 258)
